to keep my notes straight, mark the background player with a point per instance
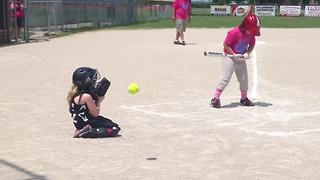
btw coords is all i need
(17, 15)
(181, 14)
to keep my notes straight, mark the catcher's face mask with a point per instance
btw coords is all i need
(96, 77)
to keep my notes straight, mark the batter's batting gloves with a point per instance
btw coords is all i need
(246, 56)
(239, 57)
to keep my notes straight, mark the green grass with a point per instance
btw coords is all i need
(291, 22)
(202, 21)
(230, 21)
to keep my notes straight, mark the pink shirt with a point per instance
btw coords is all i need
(238, 41)
(19, 11)
(182, 9)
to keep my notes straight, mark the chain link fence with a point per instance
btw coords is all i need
(4, 22)
(45, 17)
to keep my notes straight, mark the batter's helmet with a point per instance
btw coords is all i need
(251, 24)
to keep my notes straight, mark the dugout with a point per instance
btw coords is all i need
(4, 22)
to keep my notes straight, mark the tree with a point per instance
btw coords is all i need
(295, 2)
(312, 2)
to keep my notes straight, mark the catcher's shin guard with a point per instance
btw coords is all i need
(101, 132)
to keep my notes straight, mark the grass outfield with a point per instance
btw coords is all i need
(215, 22)
(230, 21)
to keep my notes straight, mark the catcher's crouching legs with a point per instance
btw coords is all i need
(101, 132)
(102, 127)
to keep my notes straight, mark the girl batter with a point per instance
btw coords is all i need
(240, 40)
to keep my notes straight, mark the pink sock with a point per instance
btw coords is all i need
(244, 94)
(217, 94)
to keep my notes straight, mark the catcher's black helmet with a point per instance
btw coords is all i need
(85, 77)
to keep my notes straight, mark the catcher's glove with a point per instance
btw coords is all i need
(102, 87)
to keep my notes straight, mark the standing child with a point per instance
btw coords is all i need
(240, 41)
(181, 11)
(17, 12)
(84, 106)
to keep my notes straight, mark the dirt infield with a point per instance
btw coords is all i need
(169, 131)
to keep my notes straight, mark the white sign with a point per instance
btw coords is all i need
(265, 10)
(312, 11)
(220, 10)
(290, 10)
(241, 10)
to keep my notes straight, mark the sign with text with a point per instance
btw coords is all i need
(265, 10)
(290, 10)
(241, 10)
(222, 10)
(312, 11)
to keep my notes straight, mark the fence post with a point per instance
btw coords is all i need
(26, 27)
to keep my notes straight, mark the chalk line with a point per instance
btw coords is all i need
(149, 112)
(13, 103)
(176, 102)
(254, 90)
(17, 54)
(279, 133)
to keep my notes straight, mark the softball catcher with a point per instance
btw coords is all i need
(84, 100)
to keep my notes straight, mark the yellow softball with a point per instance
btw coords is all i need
(133, 88)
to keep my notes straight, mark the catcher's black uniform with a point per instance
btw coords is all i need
(101, 126)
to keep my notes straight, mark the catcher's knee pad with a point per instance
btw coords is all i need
(101, 132)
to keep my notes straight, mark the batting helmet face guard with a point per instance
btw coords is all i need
(251, 24)
(85, 78)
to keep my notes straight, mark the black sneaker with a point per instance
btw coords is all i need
(215, 103)
(82, 132)
(246, 102)
(101, 132)
(183, 43)
(176, 42)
